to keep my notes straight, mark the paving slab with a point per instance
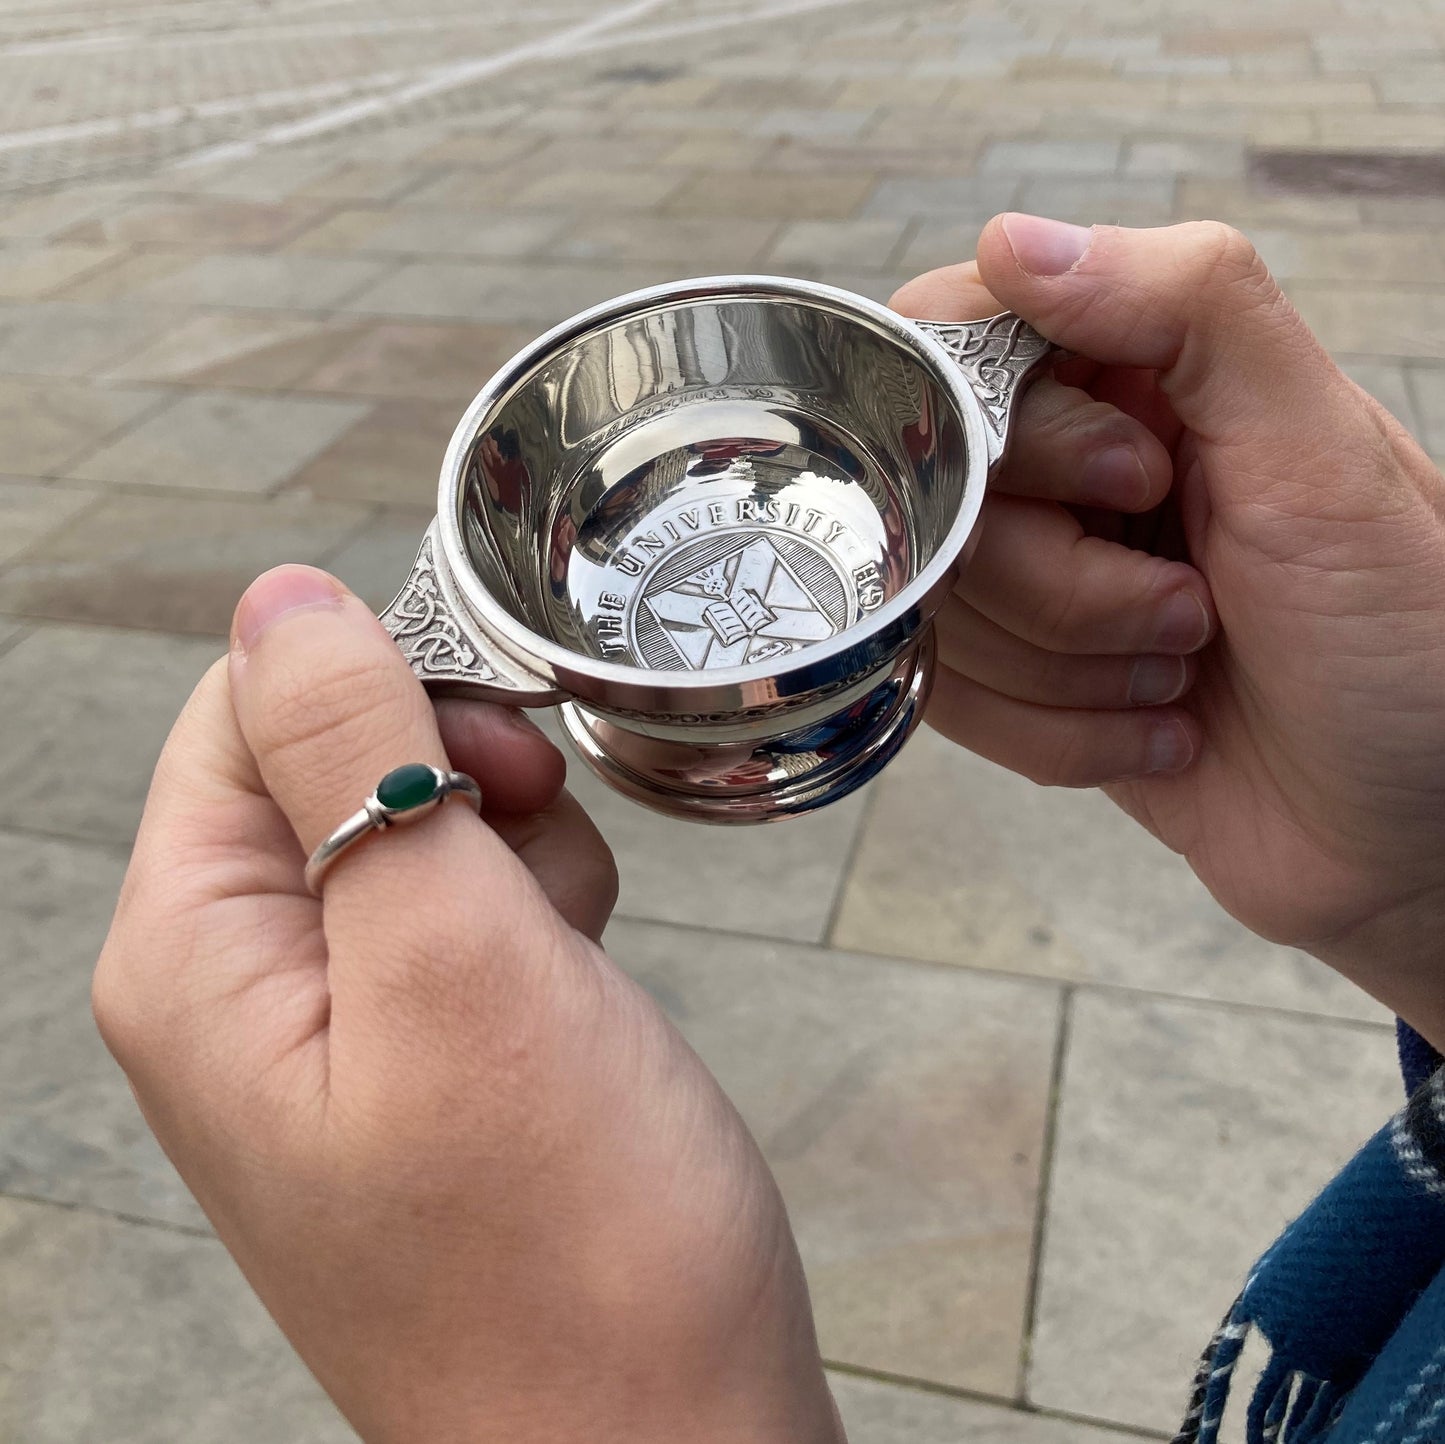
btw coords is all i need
(61, 339)
(1427, 392)
(699, 243)
(392, 454)
(806, 246)
(378, 559)
(47, 424)
(495, 293)
(70, 1130)
(421, 361)
(963, 862)
(780, 881)
(771, 197)
(1391, 384)
(28, 273)
(199, 223)
(1187, 1137)
(141, 1336)
(238, 349)
(439, 231)
(222, 441)
(954, 197)
(279, 280)
(96, 697)
(879, 1413)
(171, 564)
(31, 511)
(1373, 320)
(902, 1110)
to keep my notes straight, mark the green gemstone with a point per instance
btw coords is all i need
(411, 786)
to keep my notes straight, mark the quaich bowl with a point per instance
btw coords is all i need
(713, 520)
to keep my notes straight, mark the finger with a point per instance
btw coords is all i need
(983, 652)
(564, 851)
(328, 706)
(215, 873)
(1135, 391)
(956, 293)
(1060, 746)
(1068, 447)
(522, 773)
(1039, 575)
(324, 703)
(1194, 302)
(210, 829)
(951, 293)
(519, 769)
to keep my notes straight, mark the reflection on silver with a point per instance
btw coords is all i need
(718, 516)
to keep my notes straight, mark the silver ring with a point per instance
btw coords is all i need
(402, 796)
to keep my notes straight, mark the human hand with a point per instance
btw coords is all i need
(1211, 579)
(485, 1188)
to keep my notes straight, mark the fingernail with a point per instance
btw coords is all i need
(277, 592)
(1115, 477)
(1156, 679)
(1043, 247)
(1169, 748)
(1183, 625)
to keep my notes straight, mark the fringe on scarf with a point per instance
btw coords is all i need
(1288, 1407)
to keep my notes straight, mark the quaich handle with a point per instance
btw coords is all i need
(998, 355)
(448, 657)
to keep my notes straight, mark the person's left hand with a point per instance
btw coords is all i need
(485, 1188)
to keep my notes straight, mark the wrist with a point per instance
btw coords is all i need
(1398, 956)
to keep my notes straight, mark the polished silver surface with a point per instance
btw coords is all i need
(718, 514)
(375, 816)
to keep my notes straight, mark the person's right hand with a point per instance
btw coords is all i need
(1298, 760)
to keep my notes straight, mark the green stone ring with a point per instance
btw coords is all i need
(402, 796)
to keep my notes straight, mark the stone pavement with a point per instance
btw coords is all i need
(1034, 1101)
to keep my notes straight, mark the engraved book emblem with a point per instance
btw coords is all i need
(749, 600)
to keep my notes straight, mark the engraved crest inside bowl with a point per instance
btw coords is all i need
(714, 520)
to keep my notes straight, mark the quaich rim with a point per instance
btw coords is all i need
(858, 647)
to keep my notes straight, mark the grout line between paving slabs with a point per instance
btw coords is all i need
(845, 873)
(1064, 1027)
(1044, 980)
(1227, 1005)
(22, 627)
(372, 514)
(117, 490)
(109, 438)
(138, 1220)
(120, 850)
(97, 500)
(980, 1396)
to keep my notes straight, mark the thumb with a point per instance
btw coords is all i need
(1193, 302)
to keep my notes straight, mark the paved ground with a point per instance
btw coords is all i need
(253, 262)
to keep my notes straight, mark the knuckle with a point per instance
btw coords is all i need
(113, 1006)
(1066, 758)
(600, 878)
(1220, 246)
(1060, 611)
(305, 708)
(1090, 422)
(1226, 262)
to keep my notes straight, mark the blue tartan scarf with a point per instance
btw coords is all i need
(1351, 1299)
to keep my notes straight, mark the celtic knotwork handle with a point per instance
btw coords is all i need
(998, 355)
(423, 621)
